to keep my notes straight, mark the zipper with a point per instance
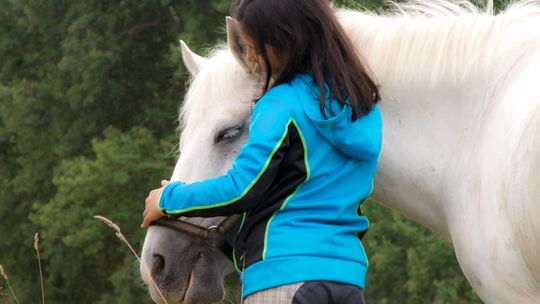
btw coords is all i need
(236, 245)
(243, 261)
(242, 257)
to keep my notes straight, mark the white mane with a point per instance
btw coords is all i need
(221, 60)
(417, 42)
(432, 41)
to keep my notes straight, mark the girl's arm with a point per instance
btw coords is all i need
(252, 173)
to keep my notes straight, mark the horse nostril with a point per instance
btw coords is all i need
(158, 263)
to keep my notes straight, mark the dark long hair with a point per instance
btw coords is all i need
(308, 33)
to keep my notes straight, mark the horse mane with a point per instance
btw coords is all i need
(433, 41)
(423, 42)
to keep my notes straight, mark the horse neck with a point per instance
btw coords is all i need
(433, 100)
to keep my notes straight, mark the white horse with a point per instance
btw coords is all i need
(461, 149)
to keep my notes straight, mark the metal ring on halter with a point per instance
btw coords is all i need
(215, 237)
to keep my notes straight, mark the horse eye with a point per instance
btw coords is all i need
(228, 135)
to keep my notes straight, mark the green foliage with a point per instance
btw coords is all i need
(204, 22)
(113, 184)
(71, 69)
(410, 264)
(368, 4)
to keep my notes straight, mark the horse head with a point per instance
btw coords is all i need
(214, 121)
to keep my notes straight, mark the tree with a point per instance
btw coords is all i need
(71, 69)
(81, 252)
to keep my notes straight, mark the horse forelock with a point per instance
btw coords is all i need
(213, 88)
(215, 75)
(439, 41)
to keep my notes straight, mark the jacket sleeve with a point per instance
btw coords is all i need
(252, 172)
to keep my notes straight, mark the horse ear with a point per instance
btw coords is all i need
(236, 44)
(193, 62)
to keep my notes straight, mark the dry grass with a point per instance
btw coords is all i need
(4, 274)
(4, 299)
(121, 236)
(36, 247)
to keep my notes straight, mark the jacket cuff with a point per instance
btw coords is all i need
(162, 203)
(159, 201)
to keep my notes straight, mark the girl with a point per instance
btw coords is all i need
(309, 162)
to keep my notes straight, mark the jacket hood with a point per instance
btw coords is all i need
(361, 139)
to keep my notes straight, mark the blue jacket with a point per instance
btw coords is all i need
(299, 181)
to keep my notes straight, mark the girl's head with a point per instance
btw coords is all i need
(288, 37)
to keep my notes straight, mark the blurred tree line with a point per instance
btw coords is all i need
(89, 95)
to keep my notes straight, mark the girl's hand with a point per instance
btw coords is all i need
(151, 209)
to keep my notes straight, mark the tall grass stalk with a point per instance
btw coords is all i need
(4, 274)
(36, 247)
(121, 236)
(3, 297)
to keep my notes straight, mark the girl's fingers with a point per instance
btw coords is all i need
(146, 220)
(144, 224)
(164, 183)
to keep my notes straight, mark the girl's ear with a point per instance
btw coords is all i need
(193, 62)
(236, 44)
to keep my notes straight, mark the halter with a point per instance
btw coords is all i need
(215, 236)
